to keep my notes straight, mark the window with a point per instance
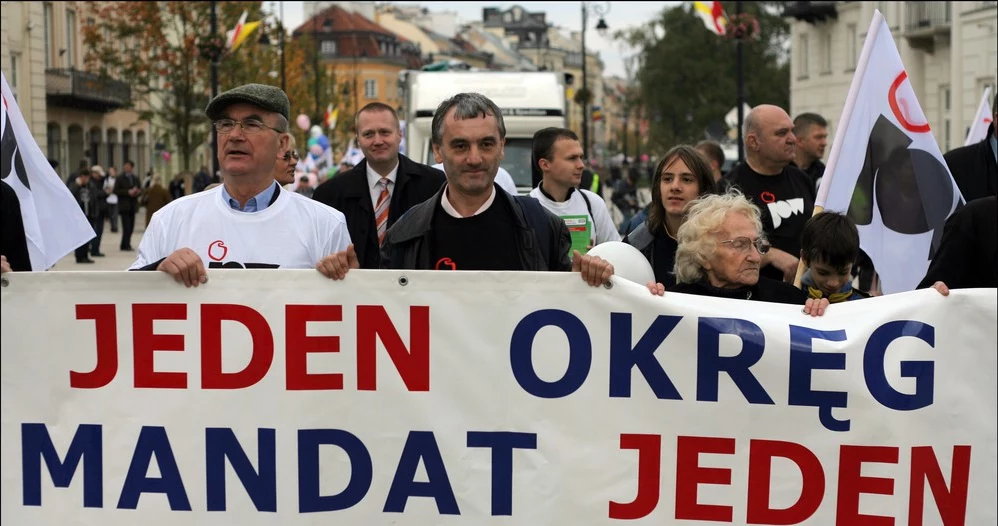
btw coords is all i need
(328, 47)
(826, 53)
(48, 35)
(70, 38)
(14, 59)
(851, 47)
(371, 89)
(944, 93)
(802, 57)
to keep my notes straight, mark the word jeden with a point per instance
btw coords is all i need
(372, 324)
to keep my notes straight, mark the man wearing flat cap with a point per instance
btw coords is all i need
(249, 221)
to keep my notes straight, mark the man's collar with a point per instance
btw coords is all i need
(540, 186)
(451, 211)
(374, 177)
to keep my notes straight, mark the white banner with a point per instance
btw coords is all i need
(425, 398)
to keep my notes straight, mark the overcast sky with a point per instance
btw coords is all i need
(566, 15)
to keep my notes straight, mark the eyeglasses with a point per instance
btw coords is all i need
(291, 155)
(743, 244)
(249, 126)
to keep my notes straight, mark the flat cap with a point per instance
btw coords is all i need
(267, 97)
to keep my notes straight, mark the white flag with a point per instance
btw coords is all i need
(886, 170)
(54, 224)
(979, 128)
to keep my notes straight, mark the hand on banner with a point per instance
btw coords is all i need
(939, 285)
(815, 307)
(783, 261)
(657, 289)
(336, 266)
(594, 269)
(185, 266)
(5, 267)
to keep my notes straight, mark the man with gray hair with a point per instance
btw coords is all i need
(471, 224)
(782, 192)
(249, 221)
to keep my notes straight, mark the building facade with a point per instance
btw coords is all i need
(73, 114)
(949, 50)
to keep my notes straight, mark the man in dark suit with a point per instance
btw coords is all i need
(127, 187)
(376, 192)
(974, 167)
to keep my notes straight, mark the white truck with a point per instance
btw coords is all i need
(530, 101)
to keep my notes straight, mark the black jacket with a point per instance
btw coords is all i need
(968, 251)
(127, 204)
(974, 169)
(13, 244)
(768, 290)
(407, 242)
(349, 193)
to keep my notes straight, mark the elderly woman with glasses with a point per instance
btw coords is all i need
(720, 253)
(284, 169)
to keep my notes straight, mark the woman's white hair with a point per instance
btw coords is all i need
(697, 236)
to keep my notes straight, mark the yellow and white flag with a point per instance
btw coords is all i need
(713, 16)
(236, 36)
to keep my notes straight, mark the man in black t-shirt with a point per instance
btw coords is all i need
(783, 193)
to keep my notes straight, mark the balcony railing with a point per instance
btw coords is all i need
(927, 17)
(73, 88)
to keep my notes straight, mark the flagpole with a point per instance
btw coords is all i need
(840, 131)
(739, 54)
(214, 90)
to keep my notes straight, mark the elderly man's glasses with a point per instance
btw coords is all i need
(744, 244)
(249, 126)
(292, 155)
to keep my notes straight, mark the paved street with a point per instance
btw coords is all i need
(115, 259)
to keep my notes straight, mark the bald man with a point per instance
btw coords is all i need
(782, 192)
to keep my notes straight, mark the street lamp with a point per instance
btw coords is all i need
(600, 10)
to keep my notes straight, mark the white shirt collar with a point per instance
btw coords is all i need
(374, 177)
(451, 211)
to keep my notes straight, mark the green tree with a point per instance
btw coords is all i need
(688, 76)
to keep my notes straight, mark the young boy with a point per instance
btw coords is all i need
(829, 248)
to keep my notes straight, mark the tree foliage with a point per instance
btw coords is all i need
(160, 49)
(687, 75)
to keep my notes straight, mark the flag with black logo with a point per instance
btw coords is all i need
(54, 224)
(885, 169)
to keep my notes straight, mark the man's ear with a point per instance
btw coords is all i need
(437, 156)
(544, 164)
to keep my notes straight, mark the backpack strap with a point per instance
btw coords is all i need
(589, 206)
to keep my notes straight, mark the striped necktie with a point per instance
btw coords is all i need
(381, 210)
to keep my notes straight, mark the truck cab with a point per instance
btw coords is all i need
(529, 101)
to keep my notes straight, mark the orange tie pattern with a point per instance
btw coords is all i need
(381, 210)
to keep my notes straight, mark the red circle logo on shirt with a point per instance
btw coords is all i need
(445, 264)
(768, 197)
(217, 250)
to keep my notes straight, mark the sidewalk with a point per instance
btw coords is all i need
(116, 259)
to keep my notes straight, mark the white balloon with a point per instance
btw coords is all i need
(628, 262)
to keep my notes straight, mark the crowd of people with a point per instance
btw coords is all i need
(741, 234)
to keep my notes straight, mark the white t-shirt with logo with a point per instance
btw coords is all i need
(575, 205)
(293, 232)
